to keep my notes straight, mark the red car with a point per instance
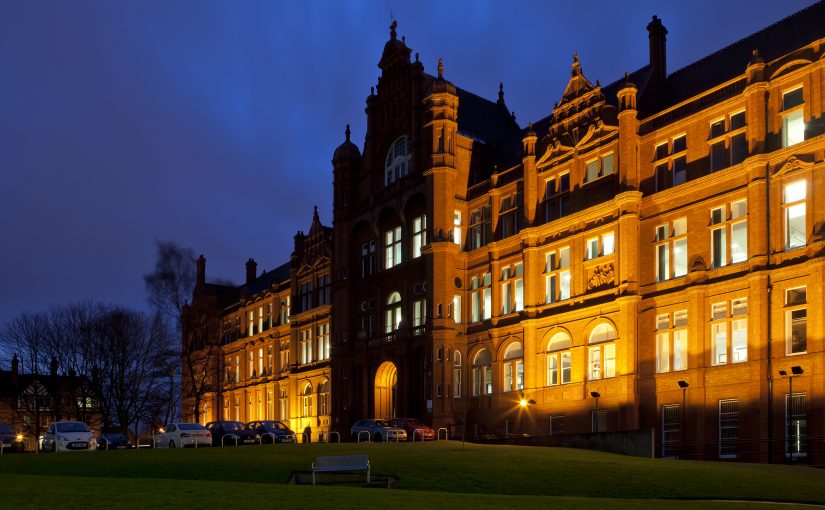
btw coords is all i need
(414, 426)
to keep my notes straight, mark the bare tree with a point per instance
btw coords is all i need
(170, 288)
(171, 284)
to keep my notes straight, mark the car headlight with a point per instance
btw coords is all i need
(257, 436)
(19, 437)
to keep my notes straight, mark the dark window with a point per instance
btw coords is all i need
(792, 98)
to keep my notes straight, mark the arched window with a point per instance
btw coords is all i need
(558, 359)
(283, 402)
(393, 316)
(513, 367)
(323, 398)
(457, 374)
(483, 373)
(601, 359)
(398, 160)
(306, 401)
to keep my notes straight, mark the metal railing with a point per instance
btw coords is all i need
(417, 430)
(270, 434)
(151, 441)
(329, 436)
(367, 432)
(438, 434)
(231, 436)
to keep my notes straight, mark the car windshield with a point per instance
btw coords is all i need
(5, 429)
(414, 423)
(189, 426)
(72, 426)
(382, 423)
(274, 425)
(233, 426)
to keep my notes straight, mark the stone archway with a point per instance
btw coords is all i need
(386, 391)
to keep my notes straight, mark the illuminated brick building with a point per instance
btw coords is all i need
(266, 356)
(652, 246)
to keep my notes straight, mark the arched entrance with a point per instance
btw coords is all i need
(386, 390)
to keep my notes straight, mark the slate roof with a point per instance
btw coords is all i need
(784, 36)
(266, 280)
(61, 382)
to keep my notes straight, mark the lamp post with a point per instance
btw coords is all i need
(595, 424)
(684, 385)
(795, 372)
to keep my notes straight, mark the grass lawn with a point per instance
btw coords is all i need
(429, 475)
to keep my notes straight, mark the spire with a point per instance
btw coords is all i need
(346, 134)
(393, 34)
(500, 92)
(440, 69)
(315, 214)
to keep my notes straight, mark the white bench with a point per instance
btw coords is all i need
(340, 464)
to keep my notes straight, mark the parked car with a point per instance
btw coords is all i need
(282, 433)
(65, 436)
(379, 430)
(220, 429)
(12, 441)
(415, 426)
(112, 441)
(179, 435)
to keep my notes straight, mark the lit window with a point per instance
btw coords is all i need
(796, 320)
(557, 275)
(398, 160)
(323, 341)
(729, 332)
(513, 368)
(729, 234)
(793, 121)
(591, 246)
(599, 167)
(457, 374)
(602, 358)
(480, 227)
(457, 309)
(457, 228)
(306, 346)
(671, 341)
(419, 236)
(483, 373)
(558, 359)
(671, 250)
(419, 316)
(793, 203)
(512, 289)
(306, 401)
(481, 300)
(393, 313)
(392, 250)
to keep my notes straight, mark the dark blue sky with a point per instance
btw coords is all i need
(213, 123)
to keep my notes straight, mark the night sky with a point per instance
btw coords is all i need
(213, 124)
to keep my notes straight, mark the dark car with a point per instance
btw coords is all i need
(12, 441)
(282, 433)
(238, 433)
(414, 426)
(112, 441)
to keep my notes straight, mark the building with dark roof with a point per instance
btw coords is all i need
(30, 402)
(649, 255)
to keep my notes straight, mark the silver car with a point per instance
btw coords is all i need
(179, 435)
(67, 436)
(378, 430)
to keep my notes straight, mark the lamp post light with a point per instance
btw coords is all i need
(796, 371)
(524, 406)
(595, 421)
(684, 385)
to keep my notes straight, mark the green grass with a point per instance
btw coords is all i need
(430, 475)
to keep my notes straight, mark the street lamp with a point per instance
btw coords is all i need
(524, 403)
(684, 385)
(595, 424)
(796, 371)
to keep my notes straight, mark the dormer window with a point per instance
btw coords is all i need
(398, 160)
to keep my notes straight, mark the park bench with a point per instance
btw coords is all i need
(340, 464)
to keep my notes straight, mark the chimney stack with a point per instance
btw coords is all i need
(658, 52)
(201, 271)
(251, 271)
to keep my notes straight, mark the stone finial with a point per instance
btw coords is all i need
(346, 133)
(500, 92)
(393, 26)
(440, 68)
(416, 57)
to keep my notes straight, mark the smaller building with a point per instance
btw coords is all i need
(30, 402)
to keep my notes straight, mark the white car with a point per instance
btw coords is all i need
(179, 435)
(377, 430)
(66, 436)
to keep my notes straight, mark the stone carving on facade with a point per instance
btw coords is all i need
(603, 276)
